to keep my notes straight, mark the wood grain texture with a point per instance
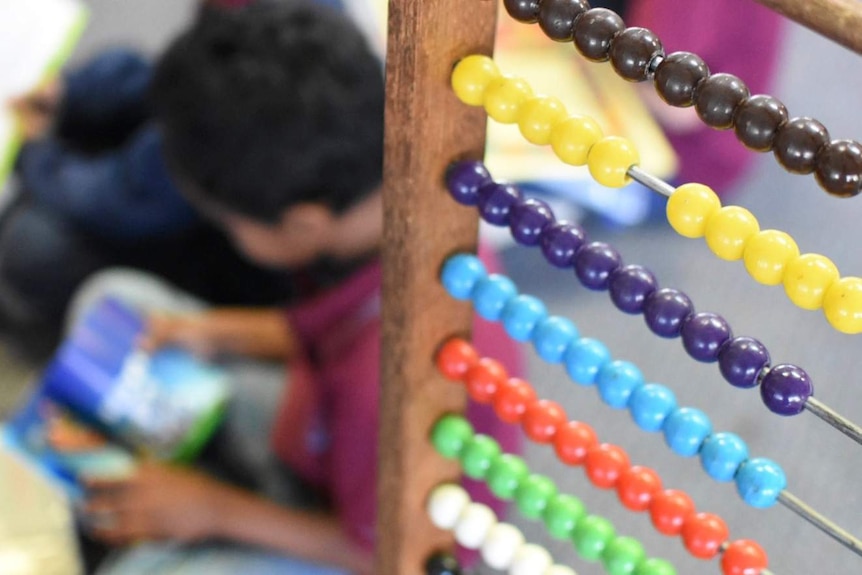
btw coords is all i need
(838, 20)
(426, 129)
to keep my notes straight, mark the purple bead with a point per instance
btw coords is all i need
(463, 180)
(527, 219)
(785, 389)
(741, 360)
(629, 287)
(664, 311)
(560, 242)
(594, 263)
(703, 334)
(495, 202)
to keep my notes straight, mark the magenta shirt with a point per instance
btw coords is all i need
(326, 430)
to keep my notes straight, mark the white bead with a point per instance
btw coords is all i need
(501, 543)
(559, 570)
(445, 505)
(531, 559)
(473, 525)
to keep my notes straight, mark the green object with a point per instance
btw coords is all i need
(591, 535)
(562, 514)
(505, 475)
(533, 495)
(450, 434)
(199, 434)
(623, 555)
(655, 567)
(478, 454)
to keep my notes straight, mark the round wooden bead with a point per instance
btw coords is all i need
(806, 279)
(490, 295)
(685, 430)
(630, 286)
(573, 441)
(716, 99)
(623, 555)
(542, 419)
(460, 273)
(703, 334)
(442, 564)
(721, 455)
(496, 201)
(766, 254)
(594, 264)
(505, 475)
(562, 514)
(650, 404)
(538, 116)
(757, 121)
(504, 97)
(728, 230)
(838, 168)
(842, 304)
(594, 32)
(760, 481)
(572, 138)
(741, 360)
(797, 143)
(557, 18)
(676, 77)
(669, 509)
(500, 546)
(631, 52)
(604, 464)
(616, 381)
(703, 534)
(743, 557)
(526, 11)
(450, 434)
(478, 454)
(552, 337)
(785, 389)
(690, 207)
(610, 159)
(473, 525)
(636, 487)
(584, 358)
(455, 357)
(445, 505)
(484, 378)
(521, 315)
(654, 566)
(533, 495)
(591, 536)
(463, 180)
(512, 401)
(530, 559)
(527, 218)
(471, 78)
(560, 242)
(664, 311)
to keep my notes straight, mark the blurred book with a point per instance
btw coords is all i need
(36, 39)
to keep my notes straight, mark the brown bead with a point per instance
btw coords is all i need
(594, 32)
(631, 52)
(716, 99)
(757, 120)
(526, 11)
(839, 168)
(797, 142)
(677, 76)
(557, 18)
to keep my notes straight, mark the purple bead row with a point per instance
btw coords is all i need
(744, 361)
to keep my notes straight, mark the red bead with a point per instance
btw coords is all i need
(542, 419)
(512, 400)
(484, 379)
(636, 487)
(573, 440)
(605, 463)
(703, 534)
(743, 557)
(455, 358)
(669, 509)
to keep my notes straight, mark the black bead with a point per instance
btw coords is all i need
(594, 32)
(757, 121)
(839, 168)
(557, 18)
(526, 11)
(631, 52)
(717, 97)
(677, 76)
(442, 564)
(797, 142)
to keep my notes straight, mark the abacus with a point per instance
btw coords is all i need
(433, 143)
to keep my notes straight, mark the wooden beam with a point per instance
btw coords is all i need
(426, 129)
(838, 20)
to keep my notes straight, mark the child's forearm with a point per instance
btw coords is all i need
(261, 333)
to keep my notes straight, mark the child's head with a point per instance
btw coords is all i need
(272, 119)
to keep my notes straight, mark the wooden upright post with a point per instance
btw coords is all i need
(838, 20)
(426, 129)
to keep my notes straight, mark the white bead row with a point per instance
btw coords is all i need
(475, 526)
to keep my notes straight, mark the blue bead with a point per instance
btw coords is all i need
(685, 429)
(460, 273)
(584, 358)
(521, 315)
(650, 405)
(616, 381)
(721, 455)
(490, 295)
(552, 337)
(759, 481)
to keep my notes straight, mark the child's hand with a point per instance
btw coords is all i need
(194, 332)
(35, 111)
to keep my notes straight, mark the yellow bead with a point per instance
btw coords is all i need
(471, 77)
(537, 117)
(766, 255)
(806, 279)
(842, 304)
(609, 159)
(572, 138)
(689, 207)
(727, 231)
(504, 97)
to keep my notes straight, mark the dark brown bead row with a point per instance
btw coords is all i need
(682, 79)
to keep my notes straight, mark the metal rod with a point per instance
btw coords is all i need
(650, 181)
(802, 509)
(833, 418)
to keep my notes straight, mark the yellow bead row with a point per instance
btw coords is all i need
(577, 140)
(771, 257)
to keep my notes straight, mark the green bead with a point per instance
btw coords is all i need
(655, 567)
(562, 514)
(591, 535)
(450, 434)
(478, 454)
(533, 495)
(505, 475)
(623, 555)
